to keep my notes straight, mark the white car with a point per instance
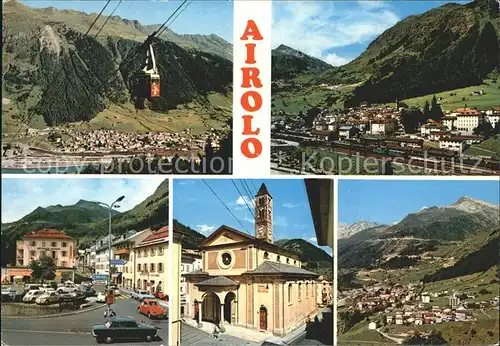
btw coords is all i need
(32, 295)
(68, 288)
(47, 298)
(101, 297)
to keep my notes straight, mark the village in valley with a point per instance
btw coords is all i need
(418, 273)
(403, 305)
(462, 141)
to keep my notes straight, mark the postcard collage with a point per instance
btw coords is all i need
(250, 172)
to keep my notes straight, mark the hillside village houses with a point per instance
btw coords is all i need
(44, 242)
(247, 281)
(455, 131)
(402, 305)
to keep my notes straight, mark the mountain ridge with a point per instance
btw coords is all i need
(441, 229)
(89, 222)
(445, 48)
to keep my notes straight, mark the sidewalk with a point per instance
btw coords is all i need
(238, 332)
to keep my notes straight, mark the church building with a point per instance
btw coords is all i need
(248, 281)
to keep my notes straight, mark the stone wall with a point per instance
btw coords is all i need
(21, 309)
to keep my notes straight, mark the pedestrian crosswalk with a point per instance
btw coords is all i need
(122, 296)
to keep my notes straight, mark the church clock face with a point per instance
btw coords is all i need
(226, 258)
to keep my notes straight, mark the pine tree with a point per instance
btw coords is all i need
(426, 111)
(436, 111)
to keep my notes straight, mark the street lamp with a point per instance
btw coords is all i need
(110, 207)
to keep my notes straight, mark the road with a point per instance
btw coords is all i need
(194, 336)
(73, 329)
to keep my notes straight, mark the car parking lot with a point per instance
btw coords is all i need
(76, 329)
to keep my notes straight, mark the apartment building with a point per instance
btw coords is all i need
(45, 242)
(150, 258)
(123, 247)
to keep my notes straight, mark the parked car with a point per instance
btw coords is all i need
(29, 287)
(151, 308)
(160, 295)
(123, 329)
(47, 298)
(31, 295)
(140, 295)
(101, 297)
(89, 292)
(68, 288)
(11, 294)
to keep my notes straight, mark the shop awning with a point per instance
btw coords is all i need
(19, 272)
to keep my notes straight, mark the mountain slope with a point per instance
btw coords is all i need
(288, 62)
(87, 221)
(480, 260)
(446, 48)
(454, 222)
(46, 47)
(437, 232)
(345, 230)
(190, 238)
(150, 213)
(314, 258)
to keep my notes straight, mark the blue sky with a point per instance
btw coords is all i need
(197, 207)
(388, 201)
(200, 17)
(21, 196)
(339, 31)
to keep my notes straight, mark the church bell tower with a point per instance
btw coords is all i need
(264, 215)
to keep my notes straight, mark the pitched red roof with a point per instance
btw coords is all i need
(48, 233)
(159, 234)
(467, 111)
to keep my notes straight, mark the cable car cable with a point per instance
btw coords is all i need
(130, 55)
(109, 17)
(168, 19)
(178, 14)
(57, 75)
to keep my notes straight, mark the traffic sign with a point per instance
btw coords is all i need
(100, 277)
(118, 262)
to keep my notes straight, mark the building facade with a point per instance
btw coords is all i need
(190, 262)
(124, 275)
(46, 242)
(150, 258)
(249, 282)
(102, 255)
(467, 119)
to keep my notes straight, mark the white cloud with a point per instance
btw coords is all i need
(335, 60)
(205, 229)
(318, 28)
(243, 200)
(313, 240)
(290, 205)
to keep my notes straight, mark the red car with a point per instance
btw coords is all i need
(151, 308)
(160, 295)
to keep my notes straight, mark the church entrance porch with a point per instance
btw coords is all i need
(211, 308)
(218, 304)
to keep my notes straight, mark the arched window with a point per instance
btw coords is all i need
(266, 255)
(300, 290)
(287, 261)
(294, 262)
(278, 258)
(289, 293)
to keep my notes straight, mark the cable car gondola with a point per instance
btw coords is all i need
(147, 80)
